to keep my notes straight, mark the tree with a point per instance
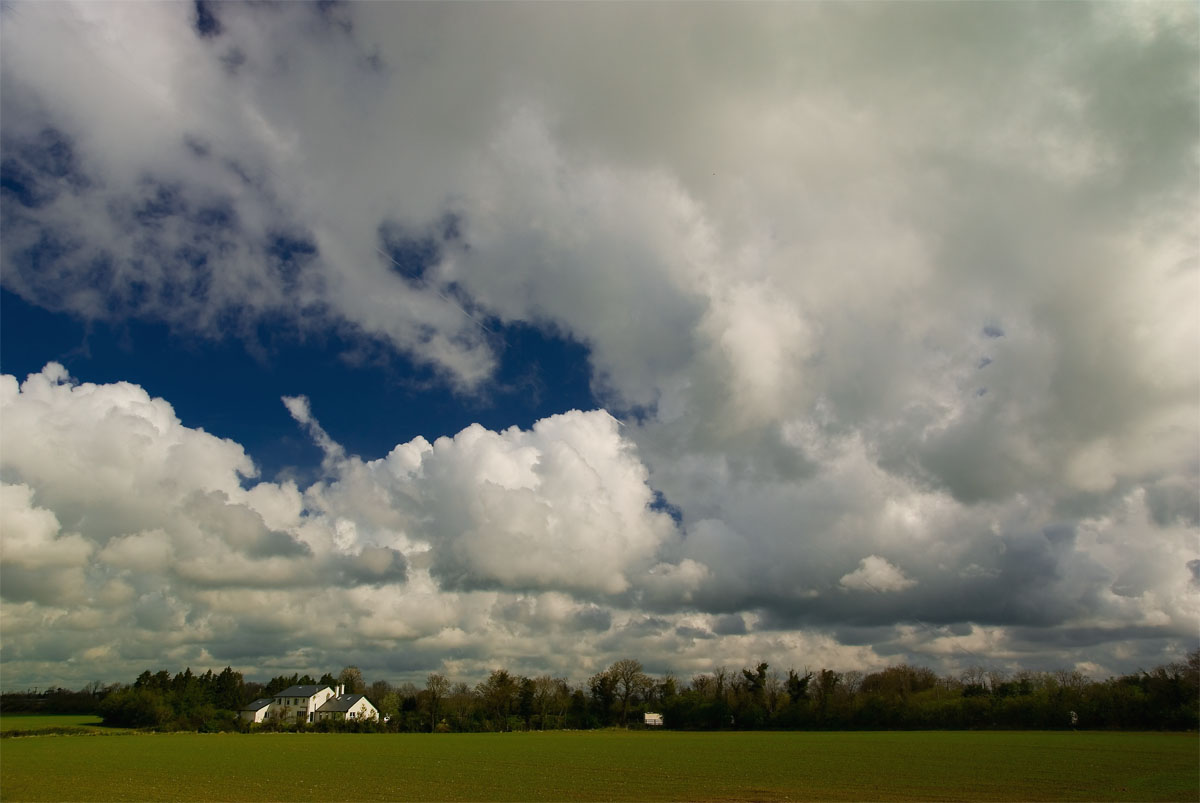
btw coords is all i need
(603, 687)
(630, 681)
(352, 677)
(827, 681)
(666, 688)
(136, 708)
(797, 685)
(389, 706)
(498, 694)
(278, 684)
(438, 687)
(229, 689)
(551, 697)
(459, 703)
(773, 692)
(525, 693)
(378, 690)
(756, 681)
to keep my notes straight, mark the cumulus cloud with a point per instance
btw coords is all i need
(456, 536)
(876, 574)
(149, 499)
(38, 562)
(914, 281)
(562, 506)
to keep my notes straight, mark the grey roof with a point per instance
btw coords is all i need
(343, 703)
(261, 702)
(301, 691)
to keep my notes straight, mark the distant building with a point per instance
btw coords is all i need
(348, 706)
(654, 720)
(310, 704)
(257, 710)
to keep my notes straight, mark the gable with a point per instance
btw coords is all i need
(345, 703)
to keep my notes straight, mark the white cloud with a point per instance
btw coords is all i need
(876, 574)
(562, 506)
(432, 538)
(148, 495)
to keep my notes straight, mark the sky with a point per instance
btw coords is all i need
(448, 337)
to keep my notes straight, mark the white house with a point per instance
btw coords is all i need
(310, 703)
(654, 720)
(257, 710)
(348, 706)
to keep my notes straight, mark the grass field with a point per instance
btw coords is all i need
(43, 722)
(604, 765)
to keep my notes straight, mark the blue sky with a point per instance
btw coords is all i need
(443, 337)
(367, 398)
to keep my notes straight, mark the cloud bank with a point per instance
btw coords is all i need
(891, 309)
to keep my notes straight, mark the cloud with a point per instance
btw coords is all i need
(39, 563)
(564, 506)
(876, 574)
(475, 533)
(299, 409)
(788, 268)
(150, 500)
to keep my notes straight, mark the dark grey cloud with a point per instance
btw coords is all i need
(730, 624)
(687, 632)
(376, 566)
(594, 618)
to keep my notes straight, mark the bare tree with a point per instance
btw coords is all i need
(721, 680)
(378, 690)
(458, 703)
(773, 690)
(975, 676)
(352, 677)
(630, 681)
(438, 687)
(550, 694)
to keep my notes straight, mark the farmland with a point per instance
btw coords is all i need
(65, 723)
(603, 765)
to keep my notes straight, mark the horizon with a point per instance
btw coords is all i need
(581, 683)
(447, 337)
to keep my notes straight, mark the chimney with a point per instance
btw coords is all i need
(341, 689)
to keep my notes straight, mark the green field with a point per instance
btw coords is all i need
(605, 765)
(57, 722)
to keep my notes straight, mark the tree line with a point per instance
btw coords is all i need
(750, 698)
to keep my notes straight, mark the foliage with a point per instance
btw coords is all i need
(352, 678)
(57, 700)
(186, 701)
(756, 697)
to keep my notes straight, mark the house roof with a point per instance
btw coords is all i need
(343, 703)
(261, 702)
(301, 691)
